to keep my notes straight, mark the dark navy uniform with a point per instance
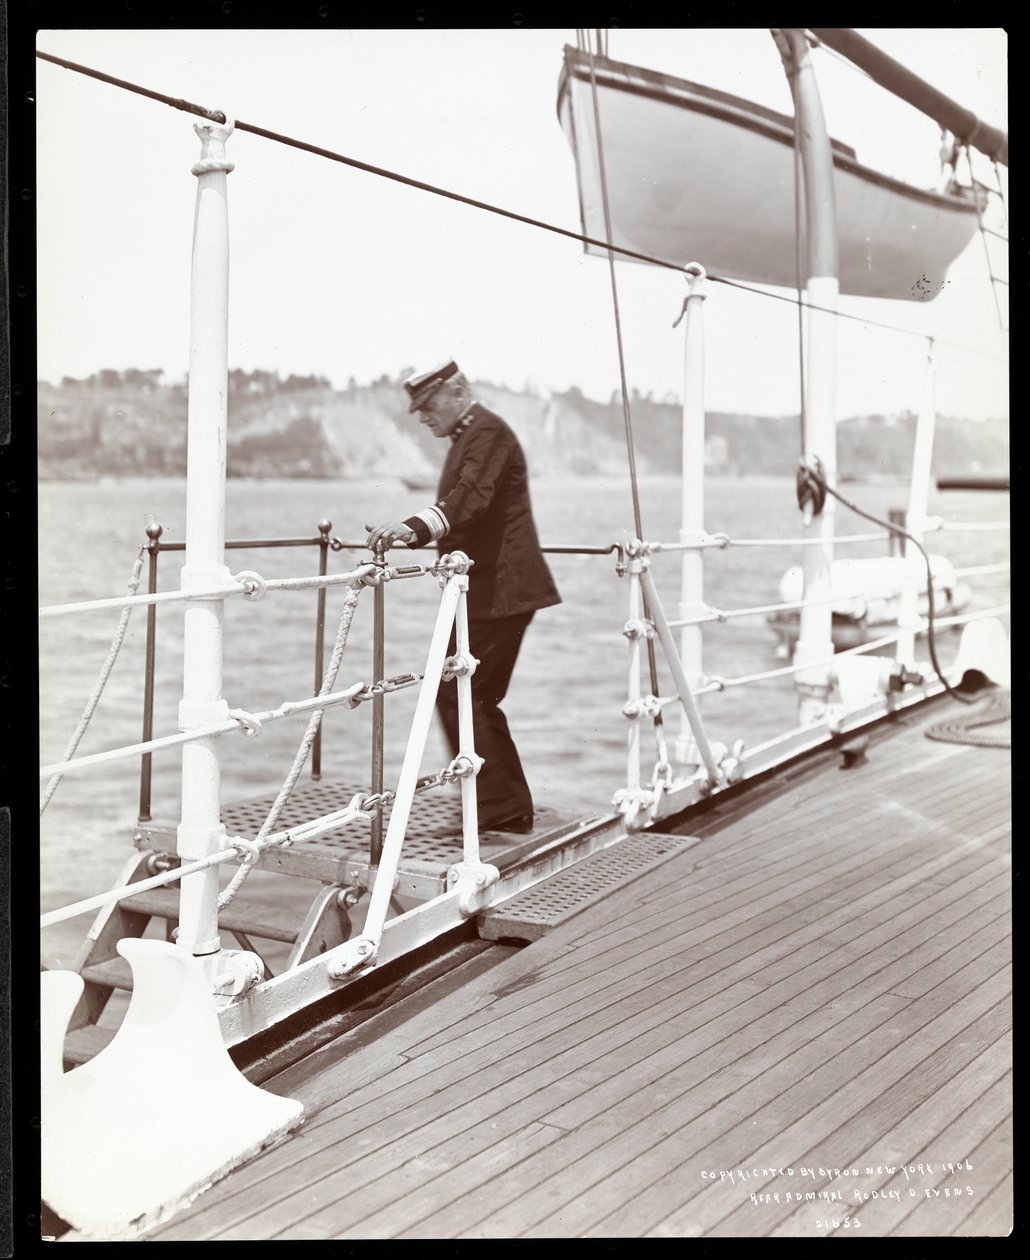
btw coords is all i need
(483, 508)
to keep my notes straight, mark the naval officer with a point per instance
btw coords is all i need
(482, 508)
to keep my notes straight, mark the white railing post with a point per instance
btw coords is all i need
(635, 634)
(200, 831)
(361, 951)
(691, 714)
(692, 518)
(915, 520)
(425, 707)
(466, 734)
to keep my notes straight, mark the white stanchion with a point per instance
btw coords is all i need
(160, 1114)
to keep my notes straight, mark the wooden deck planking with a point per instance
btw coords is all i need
(845, 957)
(940, 1214)
(781, 1133)
(984, 1077)
(992, 1207)
(706, 1119)
(975, 1109)
(858, 1137)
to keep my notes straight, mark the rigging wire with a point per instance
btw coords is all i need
(984, 230)
(384, 173)
(626, 416)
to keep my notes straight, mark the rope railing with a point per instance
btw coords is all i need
(246, 851)
(247, 583)
(718, 683)
(722, 615)
(240, 720)
(101, 682)
(723, 541)
(251, 585)
(132, 601)
(972, 527)
(358, 809)
(983, 570)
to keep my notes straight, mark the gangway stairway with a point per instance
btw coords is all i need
(319, 908)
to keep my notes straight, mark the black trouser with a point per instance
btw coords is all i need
(502, 792)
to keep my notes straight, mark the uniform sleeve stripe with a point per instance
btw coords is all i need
(435, 521)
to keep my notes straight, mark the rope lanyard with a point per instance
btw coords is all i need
(101, 682)
(314, 722)
(626, 416)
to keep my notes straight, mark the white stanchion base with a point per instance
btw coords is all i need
(160, 1114)
(985, 646)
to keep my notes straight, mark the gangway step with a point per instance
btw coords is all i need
(532, 914)
(163, 903)
(115, 973)
(81, 1044)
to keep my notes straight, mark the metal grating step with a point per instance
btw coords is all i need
(432, 843)
(433, 833)
(531, 914)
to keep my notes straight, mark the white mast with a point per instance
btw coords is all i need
(814, 649)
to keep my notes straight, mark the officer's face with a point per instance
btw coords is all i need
(440, 414)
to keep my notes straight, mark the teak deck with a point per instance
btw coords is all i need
(799, 1026)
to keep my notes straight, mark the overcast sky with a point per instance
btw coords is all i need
(342, 274)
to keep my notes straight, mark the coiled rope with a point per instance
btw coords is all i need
(98, 687)
(963, 730)
(314, 722)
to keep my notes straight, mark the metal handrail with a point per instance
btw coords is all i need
(155, 546)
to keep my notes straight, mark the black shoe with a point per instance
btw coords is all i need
(521, 825)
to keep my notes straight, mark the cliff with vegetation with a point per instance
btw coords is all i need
(134, 424)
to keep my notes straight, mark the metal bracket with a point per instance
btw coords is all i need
(473, 882)
(354, 955)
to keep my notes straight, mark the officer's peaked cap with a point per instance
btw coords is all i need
(423, 385)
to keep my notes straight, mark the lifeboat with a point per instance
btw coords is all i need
(693, 173)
